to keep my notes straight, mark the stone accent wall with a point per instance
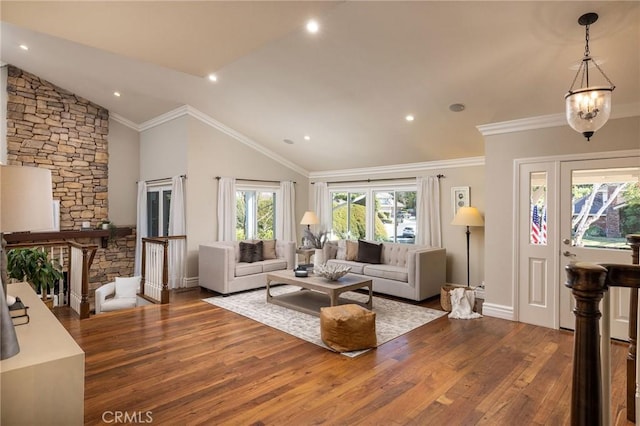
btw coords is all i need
(52, 128)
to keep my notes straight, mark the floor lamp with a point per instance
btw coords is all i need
(26, 204)
(468, 216)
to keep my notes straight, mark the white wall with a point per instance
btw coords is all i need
(124, 169)
(500, 153)
(163, 150)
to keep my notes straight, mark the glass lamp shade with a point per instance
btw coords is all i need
(588, 109)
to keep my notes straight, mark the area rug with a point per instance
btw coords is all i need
(393, 318)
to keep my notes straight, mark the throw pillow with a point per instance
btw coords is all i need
(257, 254)
(269, 249)
(352, 250)
(247, 251)
(369, 252)
(330, 250)
(342, 250)
(127, 287)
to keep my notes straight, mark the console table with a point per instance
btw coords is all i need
(44, 382)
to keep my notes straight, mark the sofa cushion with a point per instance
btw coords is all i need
(244, 269)
(251, 251)
(269, 249)
(390, 272)
(369, 252)
(356, 267)
(273, 265)
(117, 303)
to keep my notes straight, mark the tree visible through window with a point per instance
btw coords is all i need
(255, 214)
(391, 216)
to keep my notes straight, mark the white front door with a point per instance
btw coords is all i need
(594, 219)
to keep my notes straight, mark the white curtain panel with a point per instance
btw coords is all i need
(322, 206)
(429, 227)
(226, 209)
(141, 226)
(286, 212)
(177, 226)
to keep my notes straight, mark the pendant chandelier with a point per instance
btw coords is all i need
(588, 108)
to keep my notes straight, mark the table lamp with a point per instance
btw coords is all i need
(468, 216)
(309, 218)
(26, 204)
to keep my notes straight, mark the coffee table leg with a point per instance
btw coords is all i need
(370, 301)
(269, 296)
(333, 295)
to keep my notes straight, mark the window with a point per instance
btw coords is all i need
(375, 214)
(395, 216)
(349, 215)
(158, 203)
(255, 214)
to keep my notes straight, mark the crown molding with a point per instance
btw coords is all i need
(399, 168)
(187, 110)
(199, 115)
(552, 120)
(125, 122)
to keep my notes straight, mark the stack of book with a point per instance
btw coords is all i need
(19, 313)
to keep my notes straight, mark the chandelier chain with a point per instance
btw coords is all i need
(586, 40)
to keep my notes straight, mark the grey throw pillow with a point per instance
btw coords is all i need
(369, 252)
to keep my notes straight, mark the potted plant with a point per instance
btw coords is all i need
(34, 266)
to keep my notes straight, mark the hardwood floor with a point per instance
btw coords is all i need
(190, 362)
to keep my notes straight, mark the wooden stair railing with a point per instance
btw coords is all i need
(634, 242)
(80, 259)
(588, 282)
(154, 285)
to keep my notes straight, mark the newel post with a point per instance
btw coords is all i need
(587, 283)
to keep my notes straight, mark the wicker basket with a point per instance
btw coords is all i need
(445, 297)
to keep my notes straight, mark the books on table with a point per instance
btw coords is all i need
(18, 312)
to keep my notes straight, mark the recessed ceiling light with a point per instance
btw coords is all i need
(116, 94)
(24, 47)
(456, 107)
(409, 117)
(212, 77)
(312, 26)
(289, 141)
(307, 137)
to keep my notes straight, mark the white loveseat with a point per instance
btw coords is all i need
(405, 270)
(220, 268)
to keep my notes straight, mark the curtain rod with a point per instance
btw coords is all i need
(255, 180)
(374, 180)
(160, 180)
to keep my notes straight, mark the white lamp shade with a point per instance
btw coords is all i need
(309, 218)
(26, 199)
(588, 109)
(468, 216)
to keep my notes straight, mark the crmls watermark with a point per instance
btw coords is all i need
(127, 417)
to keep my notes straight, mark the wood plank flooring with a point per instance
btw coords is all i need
(190, 362)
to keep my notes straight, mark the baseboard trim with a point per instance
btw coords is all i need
(191, 281)
(498, 311)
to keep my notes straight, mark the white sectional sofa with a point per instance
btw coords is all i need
(405, 270)
(220, 268)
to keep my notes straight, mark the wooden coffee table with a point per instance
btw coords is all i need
(316, 292)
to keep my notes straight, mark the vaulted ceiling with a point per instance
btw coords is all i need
(348, 87)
